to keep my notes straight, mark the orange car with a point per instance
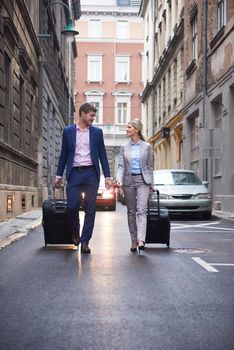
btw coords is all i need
(106, 199)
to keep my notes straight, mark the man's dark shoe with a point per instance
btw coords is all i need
(76, 239)
(85, 248)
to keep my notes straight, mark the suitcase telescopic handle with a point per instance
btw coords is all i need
(157, 191)
(57, 188)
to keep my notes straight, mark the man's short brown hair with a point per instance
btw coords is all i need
(86, 108)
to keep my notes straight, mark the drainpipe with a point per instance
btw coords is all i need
(154, 6)
(204, 60)
(204, 99)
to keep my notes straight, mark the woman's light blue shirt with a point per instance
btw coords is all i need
(135, 161)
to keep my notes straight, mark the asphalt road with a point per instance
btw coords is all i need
(114, 299)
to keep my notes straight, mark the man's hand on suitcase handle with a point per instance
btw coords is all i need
(58, 182)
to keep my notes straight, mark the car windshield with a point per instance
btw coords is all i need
(176, 178)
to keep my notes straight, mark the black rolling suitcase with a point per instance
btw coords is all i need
(55, 222)
(158, 225)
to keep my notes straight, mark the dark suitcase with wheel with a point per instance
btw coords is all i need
(55, 222)
(158, 225)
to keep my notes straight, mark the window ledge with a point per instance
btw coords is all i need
(94, 81)
(217, 37)
(191, 68)
(123, 82)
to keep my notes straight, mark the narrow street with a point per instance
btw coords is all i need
(114, 299)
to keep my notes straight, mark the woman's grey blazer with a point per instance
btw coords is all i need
(146, 163)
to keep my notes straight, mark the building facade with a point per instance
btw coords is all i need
(209, 96)
(164, 79)
(109, 67)
(188, 89)
(56, 87)
(19, 110)
(34, 98)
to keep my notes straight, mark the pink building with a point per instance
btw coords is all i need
(109, 67)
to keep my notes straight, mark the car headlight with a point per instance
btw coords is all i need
(107, 195)
(203, 196)
(164, 196)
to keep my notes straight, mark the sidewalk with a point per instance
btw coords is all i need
(13, 229)
(223, 215)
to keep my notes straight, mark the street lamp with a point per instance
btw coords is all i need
(69, 31)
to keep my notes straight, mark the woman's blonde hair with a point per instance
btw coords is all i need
(137, 124)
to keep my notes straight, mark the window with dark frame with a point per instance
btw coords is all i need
(23, 202)
(10, 201)
(221, 13)
(194, 37)
(33, 201)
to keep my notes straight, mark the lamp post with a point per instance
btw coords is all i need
(69, 32)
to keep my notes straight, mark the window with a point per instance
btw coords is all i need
(194, 143)
(122, 29)
(221, 13)
(95, 97)
(128, 2)
(95, 28)
(194, 37)
(122, 110)
(94, 68)
(122, 107)
(7, 95)
(10, 201)
(122, 69)
(23, 202)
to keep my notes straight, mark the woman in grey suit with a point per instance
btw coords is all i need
(135, 174)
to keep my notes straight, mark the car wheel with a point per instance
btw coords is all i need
(207, 215)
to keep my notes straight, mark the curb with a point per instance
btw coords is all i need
(20, 233)
(223, 215)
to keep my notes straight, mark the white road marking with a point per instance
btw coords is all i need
(201, 225)
(206, 266)
(209, 266)
(219, 264)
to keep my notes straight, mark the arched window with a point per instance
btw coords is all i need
(95, 97)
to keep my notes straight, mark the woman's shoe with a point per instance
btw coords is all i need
(133, 247)
(141, 245)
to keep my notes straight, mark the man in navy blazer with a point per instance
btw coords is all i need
(82, 149)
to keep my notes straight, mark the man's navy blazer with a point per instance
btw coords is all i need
(97, 151)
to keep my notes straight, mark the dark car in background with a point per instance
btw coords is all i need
(181, 192)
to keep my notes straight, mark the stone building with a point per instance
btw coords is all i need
(55, 97)
(209, 96)
(34, 98)
(188, 95)
(109, 67)
(19, 117)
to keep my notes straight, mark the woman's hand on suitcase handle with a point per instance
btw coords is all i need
(117, 184)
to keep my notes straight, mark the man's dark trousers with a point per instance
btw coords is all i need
(82, 180)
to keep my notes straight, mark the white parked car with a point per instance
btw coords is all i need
(181, 191)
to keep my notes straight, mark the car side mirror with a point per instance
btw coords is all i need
(205, 183)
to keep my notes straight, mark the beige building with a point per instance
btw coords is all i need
(164, 79)
(109, 67)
